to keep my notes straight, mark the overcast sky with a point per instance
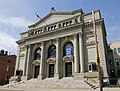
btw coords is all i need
(16, 15)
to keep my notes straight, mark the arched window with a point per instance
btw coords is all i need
(68, 49)
(52, 51)
(37, 54)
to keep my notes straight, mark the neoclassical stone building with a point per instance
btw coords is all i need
(62, 44)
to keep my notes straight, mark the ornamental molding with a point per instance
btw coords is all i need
(68, 58)
(22, 48)
(90, 43)
(51, 60)
(36, 62)
(89, 34)
(80, 24)
(22, 55)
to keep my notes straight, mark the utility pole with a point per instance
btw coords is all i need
(97, 53)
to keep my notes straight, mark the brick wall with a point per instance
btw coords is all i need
(7, 65)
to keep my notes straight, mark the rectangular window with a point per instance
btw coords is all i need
(115, 51)
(118, 50)
(8, 68)
(94, 67)
(6, 78)
(117, 61)
(90, 67)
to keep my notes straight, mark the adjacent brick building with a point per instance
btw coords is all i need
(7, 65)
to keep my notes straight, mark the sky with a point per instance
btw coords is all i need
(16, 15)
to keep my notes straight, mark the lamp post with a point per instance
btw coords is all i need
(97, 54)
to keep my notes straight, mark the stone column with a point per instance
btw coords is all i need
(28, 61)
(41, 73)
(17, 61)
(57, 59)
(76, 59)
(81, 53)
(24, 72)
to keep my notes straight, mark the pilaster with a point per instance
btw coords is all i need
(26, 49)
(17, 61)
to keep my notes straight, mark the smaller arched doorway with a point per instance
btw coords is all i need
(68, 59)
(36, 62)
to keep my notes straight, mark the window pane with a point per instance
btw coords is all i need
(8, 68)
(94, 67)
(117, 61)
(52, 51)
(37, 54)
(118, 50)
(89, 67)
(115, 51)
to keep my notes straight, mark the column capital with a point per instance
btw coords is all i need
(29, 45)
(42, 43)
(80, 34)
(75, 35)
(57, 39)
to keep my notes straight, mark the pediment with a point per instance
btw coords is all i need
(53, 18)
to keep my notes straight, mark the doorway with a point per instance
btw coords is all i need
(68, 69)
(51, 70)
(36, 71)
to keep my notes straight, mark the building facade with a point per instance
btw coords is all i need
(7, 67)
(115, 46)
(62, 44)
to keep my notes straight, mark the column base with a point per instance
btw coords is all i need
(25, 77)
(57, 77)
(78, 76)
(41, 77)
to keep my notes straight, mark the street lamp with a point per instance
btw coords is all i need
(97, 54)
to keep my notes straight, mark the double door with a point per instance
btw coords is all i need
(36, 71)
(51, 70)
(68, 69)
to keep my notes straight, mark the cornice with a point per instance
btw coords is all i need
(56, 30)
(79, 24)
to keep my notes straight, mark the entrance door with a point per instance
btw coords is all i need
(36, 72)
(68, 69)
(51, 70)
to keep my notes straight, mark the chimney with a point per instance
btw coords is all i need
(2, 52)
(6, 52)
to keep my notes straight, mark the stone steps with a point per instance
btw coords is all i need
(50, 83)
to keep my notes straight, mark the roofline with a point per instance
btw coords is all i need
(57, 13)
(114, 41)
